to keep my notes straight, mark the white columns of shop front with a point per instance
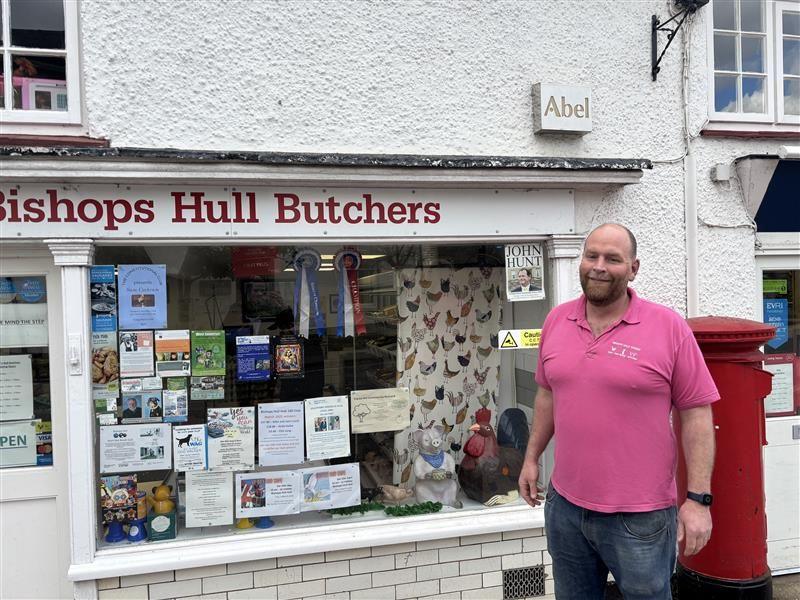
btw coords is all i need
(563, 252)
(75, 256)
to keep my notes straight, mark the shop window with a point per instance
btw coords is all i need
(755, 49)
(781, 297)
(230, 388)
(39, 76)
(25, 425)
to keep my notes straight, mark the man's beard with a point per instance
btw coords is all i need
(603, 294)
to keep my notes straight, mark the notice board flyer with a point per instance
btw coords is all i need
(253, 360)
(190, 447)
(331, 487)
(176, 400)
(524, 272)
(131, 448)
(142, 296)
(103, 293)
(280, 433)
(135, 353)
(209, 499)
(327, 427)
(384, 409)
(16, 387)
(208, 352)
(268, 494)
(231, 439)
(173, 353)
(105, 365)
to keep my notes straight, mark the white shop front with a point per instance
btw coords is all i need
(224, 242)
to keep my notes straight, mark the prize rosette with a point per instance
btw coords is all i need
(350, 319)
(307, 308)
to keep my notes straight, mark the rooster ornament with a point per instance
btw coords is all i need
(488, 469)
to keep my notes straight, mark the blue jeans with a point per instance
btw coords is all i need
(638, 548)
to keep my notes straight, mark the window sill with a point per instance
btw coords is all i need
(751, 130)
(51, 141)
(337, 534)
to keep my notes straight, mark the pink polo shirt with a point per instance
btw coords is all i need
(612, 396)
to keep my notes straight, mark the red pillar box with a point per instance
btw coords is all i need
(734, 562)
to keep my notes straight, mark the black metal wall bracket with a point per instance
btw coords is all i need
(689, 7)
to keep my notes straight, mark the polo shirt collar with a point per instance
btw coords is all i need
(631, 315)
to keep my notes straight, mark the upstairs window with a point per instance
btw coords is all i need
(755, 61)
(39, 70)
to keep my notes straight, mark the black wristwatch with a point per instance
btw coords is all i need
(704, 499)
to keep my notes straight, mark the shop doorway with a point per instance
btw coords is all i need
(34, 517)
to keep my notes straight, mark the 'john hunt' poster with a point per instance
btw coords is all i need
(524, 272)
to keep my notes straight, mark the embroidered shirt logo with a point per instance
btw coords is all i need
(624, 350)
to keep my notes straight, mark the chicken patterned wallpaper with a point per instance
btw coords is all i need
(446, 354)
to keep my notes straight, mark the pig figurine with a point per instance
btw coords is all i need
(434, 469)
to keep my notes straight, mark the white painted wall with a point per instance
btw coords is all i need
(425, 77)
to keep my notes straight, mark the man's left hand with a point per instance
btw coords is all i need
(694, 527)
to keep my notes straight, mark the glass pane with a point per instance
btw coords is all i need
(25, 426)
(725, 93)
(41, 81)
(725, 52)
(38, 24)
(724, 14)
(791, 23)
(751, 15)
(791, 57)
(781, 297)
(431, 314)
(752, 54)
(791, 96)
(753, 95)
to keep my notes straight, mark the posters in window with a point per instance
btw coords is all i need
(17, 443)
(135, 353)
(289, 363)
(16, 387)
(141, 407)
(140, 384)
(208, 352)
(142, 296)
(118, 498)
(190, 446)
(231, 439)
(176, 400)
(253, 360)
(132, 448)
(268, 494)
(384, 409)
(524, 272)
(103, 293)
(327, 427)
(280, 434)
(172, 351)
(105, 365)
(331, 487)
(23, 325)
(209, 498)
(780, 400)
(210, 387)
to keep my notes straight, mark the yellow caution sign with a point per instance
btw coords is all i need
(509, 342)
(511, 339)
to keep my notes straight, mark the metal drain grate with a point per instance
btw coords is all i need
(526, 582)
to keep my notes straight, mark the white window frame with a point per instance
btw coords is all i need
(780, 7)
(73, 114)
(769, 85)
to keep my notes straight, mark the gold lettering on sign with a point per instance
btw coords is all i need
(567, 110)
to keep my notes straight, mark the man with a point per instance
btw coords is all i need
(611, 367)
(133, 411)
(524, 281)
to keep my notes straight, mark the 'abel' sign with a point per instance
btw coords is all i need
(562, 108)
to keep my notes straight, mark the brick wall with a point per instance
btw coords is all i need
(462, 568)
